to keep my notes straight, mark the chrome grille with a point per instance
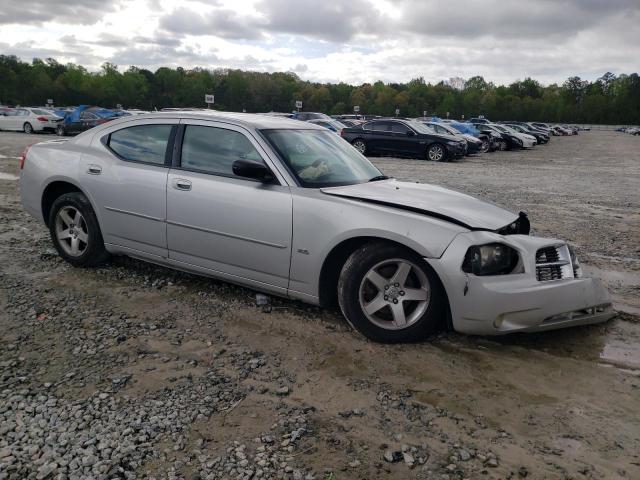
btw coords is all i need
(553, 263)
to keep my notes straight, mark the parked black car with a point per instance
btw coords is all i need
(505, 140)
(304, 116)
(474, 145)
(84, 121)
(403, 137)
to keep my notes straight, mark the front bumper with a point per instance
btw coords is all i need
(457, 150)
(494, 305)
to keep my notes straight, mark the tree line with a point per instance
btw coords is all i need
(610, 99)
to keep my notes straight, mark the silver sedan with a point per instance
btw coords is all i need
(291, 209)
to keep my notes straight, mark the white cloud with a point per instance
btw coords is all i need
(346, 40)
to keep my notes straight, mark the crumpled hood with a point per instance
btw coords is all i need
(430, 200)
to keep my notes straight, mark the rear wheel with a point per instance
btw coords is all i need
(360, 145)
(75, 231)
(60, 131)
(27, 128)
(436, 153)
(484, 148)
(502, 145)
(390, 294)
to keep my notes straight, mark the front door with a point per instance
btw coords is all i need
(222, 223)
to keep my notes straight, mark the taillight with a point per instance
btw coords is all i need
(43, 119)
(23, 157)
(342, 132)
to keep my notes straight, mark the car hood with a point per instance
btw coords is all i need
(431, 200)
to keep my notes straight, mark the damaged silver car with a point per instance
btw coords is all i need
(291, 209)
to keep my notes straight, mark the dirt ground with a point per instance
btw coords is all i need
(558, 405)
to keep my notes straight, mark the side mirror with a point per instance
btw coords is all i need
(252, 169)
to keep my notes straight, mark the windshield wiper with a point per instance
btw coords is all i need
(379, 177)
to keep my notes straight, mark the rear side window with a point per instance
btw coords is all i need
(380, 126)
(399, 128)
(213, 150)
(142, 143)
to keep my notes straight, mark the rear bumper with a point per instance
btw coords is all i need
(495, 305)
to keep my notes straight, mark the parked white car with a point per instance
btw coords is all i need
(28, 120)
(290, 208)
(528, 141)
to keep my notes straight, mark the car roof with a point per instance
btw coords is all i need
(248, 120)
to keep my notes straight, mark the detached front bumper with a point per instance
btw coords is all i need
(494, 305)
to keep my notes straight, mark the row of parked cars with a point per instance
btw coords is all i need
(629, 130)
(433, 138)
(62, 121)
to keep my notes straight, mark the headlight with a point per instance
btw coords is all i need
(577, 269)
(492, 259)
(517, 140)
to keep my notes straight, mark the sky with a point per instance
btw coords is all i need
(353, 41)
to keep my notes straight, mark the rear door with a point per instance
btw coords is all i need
(380, 137)
(223, 223)
(404, 139)
(126, 176)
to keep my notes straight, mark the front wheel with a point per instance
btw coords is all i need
(60, 131)
(28, 128)
(360, 146)
(436, 153)
(390, 294)
(484, 148)
(75, 231)
(502, 145)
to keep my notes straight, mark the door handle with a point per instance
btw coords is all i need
(94, 169)
(181, 184)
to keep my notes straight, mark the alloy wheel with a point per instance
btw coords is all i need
(394, 294)
(28, 128)
(360, 146)
(71, 231)
(436, 153)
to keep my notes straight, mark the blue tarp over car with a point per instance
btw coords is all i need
(463, 127)
(74, 115)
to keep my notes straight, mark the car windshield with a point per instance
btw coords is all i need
(419, 127)
(320, 158)
(449, 129)
(509, 129)
(500, 128)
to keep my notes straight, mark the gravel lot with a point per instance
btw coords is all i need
(136, 371)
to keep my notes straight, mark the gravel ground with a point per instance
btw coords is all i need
(136, 371)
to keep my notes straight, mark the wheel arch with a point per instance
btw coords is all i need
(55, 189)
(337, 256)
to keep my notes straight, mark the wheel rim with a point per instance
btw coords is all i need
(71, 231)
(503, 146)
(360, 146)
(28, 128)
(60, 131)
(485, 146)
(394, 294)
(436, 153)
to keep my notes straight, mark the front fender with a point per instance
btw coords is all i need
(321, 222)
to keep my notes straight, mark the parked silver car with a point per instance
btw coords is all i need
(290, 208)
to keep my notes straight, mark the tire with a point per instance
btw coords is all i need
(78, 240)
(27, 128)
(486, 146)
(60, 131)
(502, 145)
(436, 153)
(360, 145)
(398, 318)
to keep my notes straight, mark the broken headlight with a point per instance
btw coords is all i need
(577, 269)
(491, 259)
